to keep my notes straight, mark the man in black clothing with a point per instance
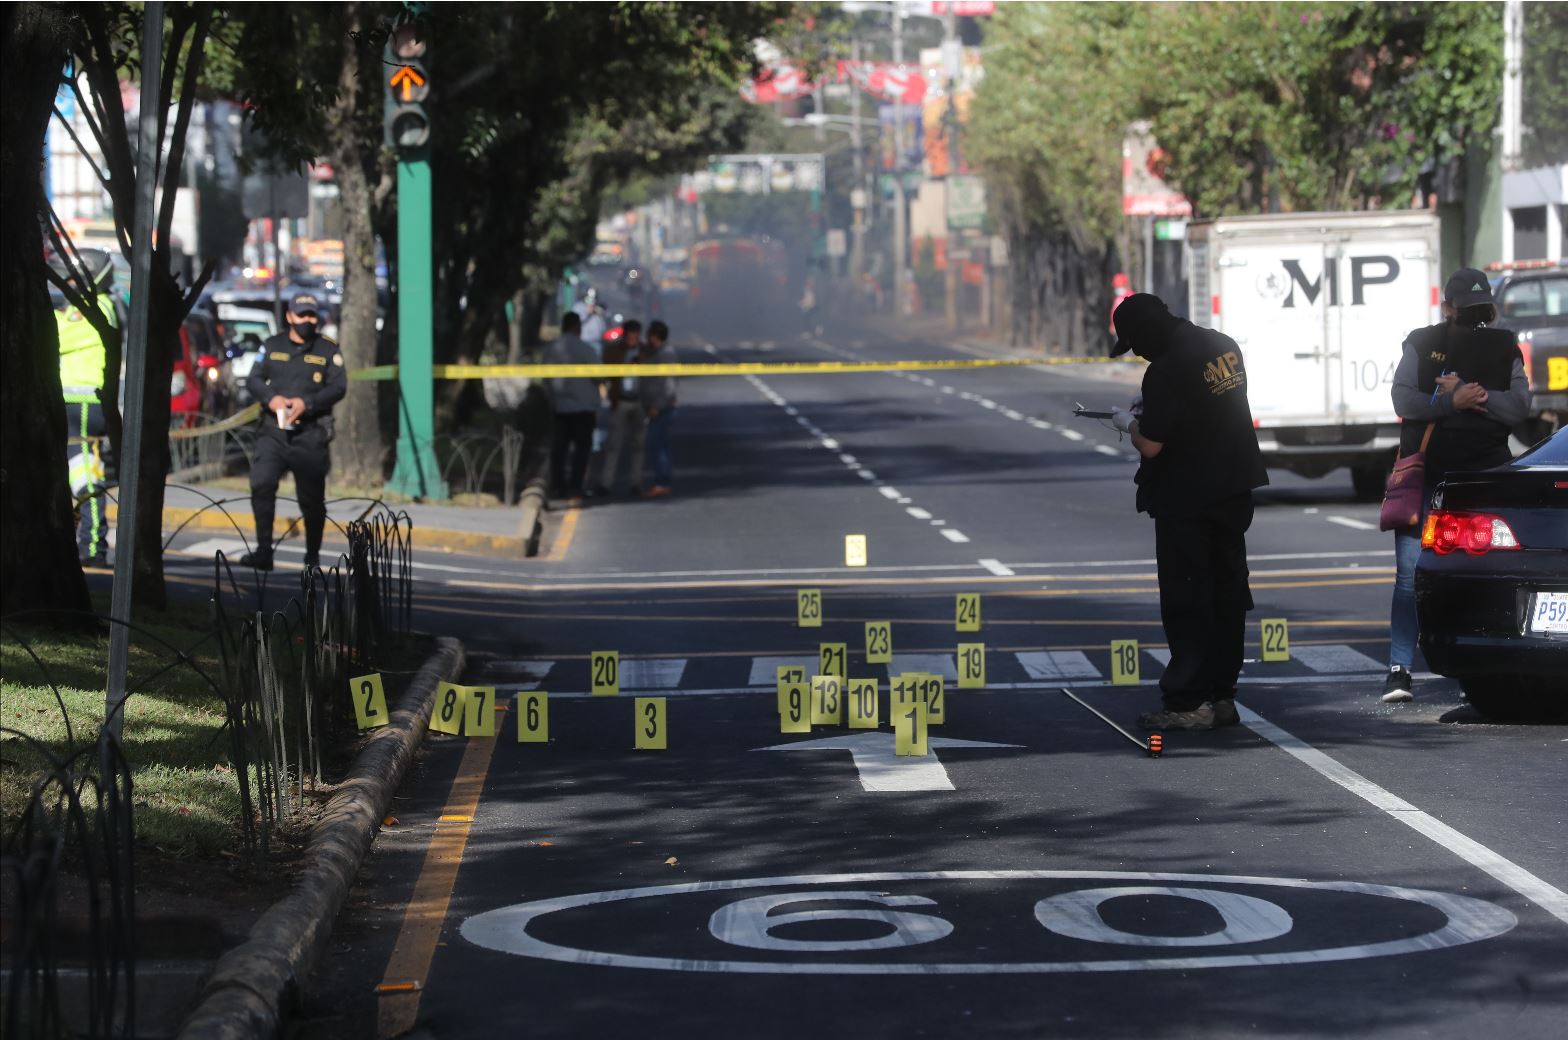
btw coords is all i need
(297, 381)
(1193, 427)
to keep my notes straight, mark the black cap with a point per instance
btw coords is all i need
(304, 304)
(1138, 316)
(1467, 287)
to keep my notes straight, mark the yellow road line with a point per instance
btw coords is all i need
(775, 583)
(404, 979)
(563, 536)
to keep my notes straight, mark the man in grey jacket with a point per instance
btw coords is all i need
(575, 402)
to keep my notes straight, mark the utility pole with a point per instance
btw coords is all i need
(1513, 109)
(857, 196)
(135, 369)
(952, 60)
(900, 209)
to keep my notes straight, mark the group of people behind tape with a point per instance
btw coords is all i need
(611, 433)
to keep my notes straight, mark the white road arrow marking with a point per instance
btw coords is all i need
(881, 770)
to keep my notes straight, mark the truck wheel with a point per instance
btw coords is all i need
(1369, 480)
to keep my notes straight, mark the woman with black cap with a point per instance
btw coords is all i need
(1459, 389)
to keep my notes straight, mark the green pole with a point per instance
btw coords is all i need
(417, 475)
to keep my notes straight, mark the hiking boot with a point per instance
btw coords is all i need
(1225, 713)
(257, 560)
(1396, 688)
(1201, 717)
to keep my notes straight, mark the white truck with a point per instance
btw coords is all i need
(1319, 304)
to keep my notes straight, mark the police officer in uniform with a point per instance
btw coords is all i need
(1193, 429)
(82, 361)
(297, 381)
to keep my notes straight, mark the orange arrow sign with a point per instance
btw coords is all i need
(408, 78)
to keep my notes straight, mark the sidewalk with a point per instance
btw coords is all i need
(492, 531)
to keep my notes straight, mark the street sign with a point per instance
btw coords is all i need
(965, 202)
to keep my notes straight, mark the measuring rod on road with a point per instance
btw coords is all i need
(1147, 746)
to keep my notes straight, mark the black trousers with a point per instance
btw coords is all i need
(574, 435)
(1204, 599)
(304, 454)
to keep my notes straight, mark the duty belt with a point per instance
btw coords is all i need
(81, 394)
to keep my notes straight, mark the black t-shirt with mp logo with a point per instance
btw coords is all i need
(1195, 404)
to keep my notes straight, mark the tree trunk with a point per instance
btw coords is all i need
(39, 569)
(359, 454)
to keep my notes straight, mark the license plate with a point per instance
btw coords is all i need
(1549, 612)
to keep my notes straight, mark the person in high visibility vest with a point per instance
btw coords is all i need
(82, 361)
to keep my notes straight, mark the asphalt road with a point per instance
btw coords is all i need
(1334, 866)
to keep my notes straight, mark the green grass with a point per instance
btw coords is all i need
(186, 797)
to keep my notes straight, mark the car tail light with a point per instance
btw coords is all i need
(1475, 533)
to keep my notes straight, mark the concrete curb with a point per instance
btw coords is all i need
(252, 986)
(437, 538)
(533, 504)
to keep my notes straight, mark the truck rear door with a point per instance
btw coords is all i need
(1273, 301)
(1387, 288)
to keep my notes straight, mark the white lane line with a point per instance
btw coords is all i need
(987, 403)
(1041, 424)
(1049, 687)
(525, 675)
(1334, 659)
(765, 670)
(954, 536)
(904, 500)
(1161, 655)
(866, 474)
(890, 493)
(945, 665)
(1106, 449)
(918, 513)
(1354, 525)
(1057, 664)
(881, 770)
(1072, 435)
(789, 409)
(848, 460)
(655, 674)
(949, 390)
(997, 568)
(1015, 416)
(1553, 900)
(830, 444)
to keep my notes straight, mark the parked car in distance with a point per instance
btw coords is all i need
(1492, 584)
(1532, 303)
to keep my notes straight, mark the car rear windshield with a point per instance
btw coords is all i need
(1551, 452)
(1536, 298)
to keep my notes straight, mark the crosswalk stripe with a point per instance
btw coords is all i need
(526, 675)
(1057, 664)
(945, 665)
(1334, 659)
(656, 674)
(1161, 655)
(765, 670)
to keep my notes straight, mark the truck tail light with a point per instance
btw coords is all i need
(1475, 533)
(1214, 305)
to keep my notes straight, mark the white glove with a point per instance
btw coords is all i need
(1122, 419)
(1136, 407)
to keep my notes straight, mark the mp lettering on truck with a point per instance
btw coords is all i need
(1364, 271)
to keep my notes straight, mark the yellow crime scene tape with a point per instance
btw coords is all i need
(746, 368)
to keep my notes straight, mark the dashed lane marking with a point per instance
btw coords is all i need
(954, 535)
(997, 568)
(1354, 525)
(1334, 659)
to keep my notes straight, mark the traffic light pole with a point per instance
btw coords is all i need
(417, 474)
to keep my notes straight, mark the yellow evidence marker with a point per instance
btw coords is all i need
(830, 658)
(794, 707)
(903, 690)
(854, 550)
(1276, 639)
(447, 716)
(370, 701)
(652, 732)
(879, 642)
(479, 711)
(606, 666)
(533, 717)
(808, 608)
(933, 694)
(968, 612)
(864, 704)
(1124, 662)
(827, 700)
(909, 730)
(971, 666)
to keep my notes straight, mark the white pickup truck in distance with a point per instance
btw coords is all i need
(1320, 304)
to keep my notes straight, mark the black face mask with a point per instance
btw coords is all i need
(305, 330)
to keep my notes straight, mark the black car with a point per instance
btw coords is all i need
(1492, 583)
